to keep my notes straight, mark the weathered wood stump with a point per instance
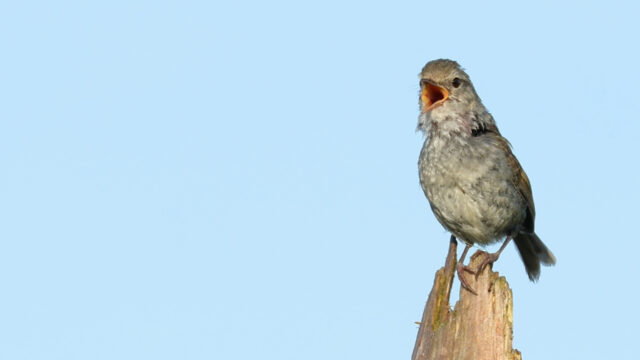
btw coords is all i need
(479, 327)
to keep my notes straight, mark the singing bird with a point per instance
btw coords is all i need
(475, 185)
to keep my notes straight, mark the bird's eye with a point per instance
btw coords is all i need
(456, 82)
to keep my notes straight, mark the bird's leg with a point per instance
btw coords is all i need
(461, 268)
(491, 258)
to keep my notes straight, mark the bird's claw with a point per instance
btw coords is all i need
(460, 269)
(489, 259)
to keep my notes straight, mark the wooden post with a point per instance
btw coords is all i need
(479, 327)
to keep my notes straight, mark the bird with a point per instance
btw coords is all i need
(475, 185)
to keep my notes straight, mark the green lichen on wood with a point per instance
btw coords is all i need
(441, 306)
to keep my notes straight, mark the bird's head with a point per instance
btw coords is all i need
(446, 93)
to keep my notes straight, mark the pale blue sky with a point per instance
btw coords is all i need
(206, 180)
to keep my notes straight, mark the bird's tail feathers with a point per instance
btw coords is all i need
(533, 252)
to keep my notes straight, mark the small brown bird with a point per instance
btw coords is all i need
(475, 185)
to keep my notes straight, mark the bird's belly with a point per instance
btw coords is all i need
(474, 204)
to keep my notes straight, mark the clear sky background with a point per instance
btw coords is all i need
(238, 180)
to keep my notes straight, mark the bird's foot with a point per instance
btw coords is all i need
(489, 259)
(493, 257)
(460, 269)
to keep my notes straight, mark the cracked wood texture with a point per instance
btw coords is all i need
(479, 327)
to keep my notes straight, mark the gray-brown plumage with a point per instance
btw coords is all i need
(475, 185)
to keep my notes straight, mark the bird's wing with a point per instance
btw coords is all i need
(519, 178)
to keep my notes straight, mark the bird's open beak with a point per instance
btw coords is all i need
(432, 95)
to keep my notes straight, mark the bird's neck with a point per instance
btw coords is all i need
(468, 123)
